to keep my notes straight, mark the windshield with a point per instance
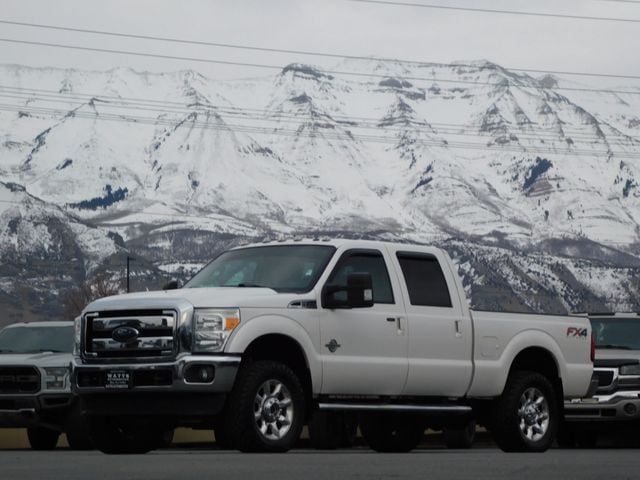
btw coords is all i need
(618, 333)
(36, 339)
(286, 268)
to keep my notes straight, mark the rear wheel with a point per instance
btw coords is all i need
(41, 438)
(525, 417)
(117, 436)
(331, 430)
(265, 410)
(460, 436)
(391, 433)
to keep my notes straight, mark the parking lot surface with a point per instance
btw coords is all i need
(360, 463)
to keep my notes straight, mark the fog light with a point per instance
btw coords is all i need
(630, 409)
(199, 373)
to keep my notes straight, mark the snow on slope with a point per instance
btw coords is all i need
(420, 152)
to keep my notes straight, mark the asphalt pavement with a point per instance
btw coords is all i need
(359, 463)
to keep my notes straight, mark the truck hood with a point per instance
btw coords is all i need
(216, 297)
(43, 359)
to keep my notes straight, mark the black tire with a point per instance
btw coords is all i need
(331, 430)
(389, 433)
(460, 436)
(41, 438)
(114, 436)
(505, 419)
(222, 440)
(254, 393)
(77, 432)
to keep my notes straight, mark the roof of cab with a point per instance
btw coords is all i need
(334, 242)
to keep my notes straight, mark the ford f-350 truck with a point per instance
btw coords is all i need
(267, 335)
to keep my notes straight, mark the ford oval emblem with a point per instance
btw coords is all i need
(125, 334)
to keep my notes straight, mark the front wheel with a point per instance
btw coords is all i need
(41, 438)
(525, 417)
(391, 433)
(265, 411)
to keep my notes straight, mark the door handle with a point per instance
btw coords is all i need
(458, 330)
(391, 319)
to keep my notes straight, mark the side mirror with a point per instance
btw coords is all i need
(358, 293)
(171, 285)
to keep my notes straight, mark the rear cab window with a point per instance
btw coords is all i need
(425, 281)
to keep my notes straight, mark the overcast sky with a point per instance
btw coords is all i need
(335, 26)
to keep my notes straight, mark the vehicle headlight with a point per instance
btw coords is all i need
(56, 377)
(212, 327)
(630, 370)
(77, 335)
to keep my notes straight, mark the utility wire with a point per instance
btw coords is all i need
(506, 12)
(527, 131)
(304, 52)
(316, 131)
(326, 72)
(189, 107)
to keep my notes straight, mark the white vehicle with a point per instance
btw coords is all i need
(267, 335)
(35, 391)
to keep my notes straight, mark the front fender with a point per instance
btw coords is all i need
(280, 325)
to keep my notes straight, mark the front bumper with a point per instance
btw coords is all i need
(157, 390)
(19, 411)
(90, 378)
(606, 409)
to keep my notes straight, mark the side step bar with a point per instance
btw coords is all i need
(390, 407)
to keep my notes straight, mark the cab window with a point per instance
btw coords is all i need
(364, 261)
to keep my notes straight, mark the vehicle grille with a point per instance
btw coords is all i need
(605, 378)
(19, 380)
(154, 334)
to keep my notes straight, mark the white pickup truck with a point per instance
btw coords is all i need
(267, 336)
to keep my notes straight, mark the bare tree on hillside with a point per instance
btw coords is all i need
(76, 299)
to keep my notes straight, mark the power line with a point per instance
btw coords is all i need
(327, 135)
(532, 132)
(326, 72)
(187, 108)
(301, 52)
(506, 12)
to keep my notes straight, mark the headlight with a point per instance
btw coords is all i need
(630, 370)
(212, 327)
(56, 377)
(77, 335)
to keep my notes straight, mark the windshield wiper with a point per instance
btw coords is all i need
(614, 347)
(246, 285)
(7, 351)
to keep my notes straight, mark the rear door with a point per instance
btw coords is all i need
(440, 331)
(364, 350)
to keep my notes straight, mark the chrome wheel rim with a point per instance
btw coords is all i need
(533, 414)
(273, 410)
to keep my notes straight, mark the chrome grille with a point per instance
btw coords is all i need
(19, 380)
(153, 334)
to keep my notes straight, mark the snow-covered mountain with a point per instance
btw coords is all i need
(533, 184)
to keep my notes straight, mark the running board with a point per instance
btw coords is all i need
(390, 407)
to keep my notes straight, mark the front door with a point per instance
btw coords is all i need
(364, 350)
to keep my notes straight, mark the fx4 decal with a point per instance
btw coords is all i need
(577, 332)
